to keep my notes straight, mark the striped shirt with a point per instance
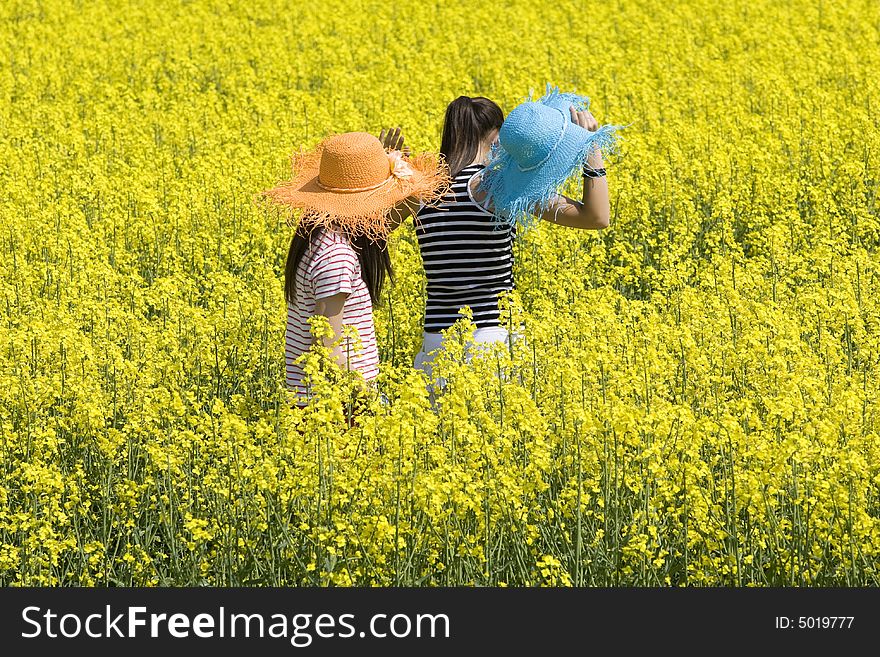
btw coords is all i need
(467, 259)
(329, 266)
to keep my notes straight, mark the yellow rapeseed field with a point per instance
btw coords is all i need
(694, 399)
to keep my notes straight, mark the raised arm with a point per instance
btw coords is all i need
(593, 211)
(392, 140)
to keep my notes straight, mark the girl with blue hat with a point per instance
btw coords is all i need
(504, 173)
(541, 145)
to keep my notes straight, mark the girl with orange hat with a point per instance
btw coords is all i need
(353, 189)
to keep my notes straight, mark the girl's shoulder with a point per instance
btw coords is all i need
(326, 243)
(474, 194)
(464, 181)
(327, 238)
(462, 194)
(469, 172)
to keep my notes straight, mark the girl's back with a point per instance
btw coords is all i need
(330, 266)
(467, 256)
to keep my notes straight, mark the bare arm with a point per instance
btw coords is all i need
(402, 210)
(392, 140)
(593, 212)
(332, 308)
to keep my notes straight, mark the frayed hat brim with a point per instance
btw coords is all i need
(362, 212)
(518, 196)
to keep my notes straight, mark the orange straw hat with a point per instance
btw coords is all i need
(350, 182)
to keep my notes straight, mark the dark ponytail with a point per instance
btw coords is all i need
(467, 123)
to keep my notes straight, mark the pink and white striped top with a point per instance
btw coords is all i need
(329, 266)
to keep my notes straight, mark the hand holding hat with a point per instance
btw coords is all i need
(392, 140)
(541, 145)
(583, 118)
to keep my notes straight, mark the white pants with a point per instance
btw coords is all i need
(433, 342)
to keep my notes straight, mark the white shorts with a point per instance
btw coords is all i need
(433, 342)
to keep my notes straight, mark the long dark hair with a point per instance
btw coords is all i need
(467, 123)
(372, 255)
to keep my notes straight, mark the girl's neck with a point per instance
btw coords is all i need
(482, 155)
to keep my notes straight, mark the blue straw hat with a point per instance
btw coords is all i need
(538, 150)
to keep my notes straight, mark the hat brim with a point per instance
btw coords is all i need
(517, 196)
(364, 212)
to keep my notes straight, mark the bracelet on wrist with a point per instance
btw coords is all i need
(589, 172)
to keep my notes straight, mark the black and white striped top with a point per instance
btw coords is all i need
(467, 259)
